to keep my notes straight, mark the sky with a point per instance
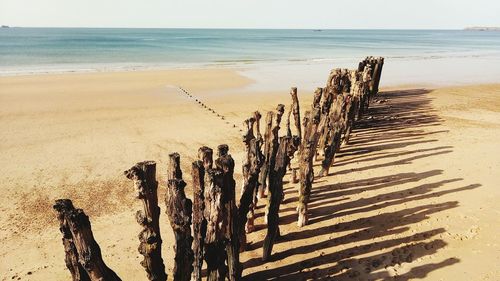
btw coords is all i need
(307, 14)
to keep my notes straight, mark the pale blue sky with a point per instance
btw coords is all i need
(446, 14)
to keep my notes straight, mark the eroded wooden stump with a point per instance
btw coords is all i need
(295, 108)
(287, 147)
(199, 222)
(259, 141)
(225, 163)
(264, 172)
(143, 175)
(251, 168)
(215, 254)
(78, 231)
(77, 271)
(179, 211)
(307, 153)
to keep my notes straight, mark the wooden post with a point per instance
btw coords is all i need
(143, 175)
(205, 154)
(215, 254)
(296, 111)
(251, 168)
(275, 197)
(365, 91)
(89, 252)
(372, 80)
(346, 92)
(361, 65)
(275, 183)
(305, 123)
(378, 73)
(288, 128)
(256, 129)
(273, 148)
(199, 223)
(333, 87)
(376, 64)
(323, 129)
(77, 271)
(179, 211)
(249, 226)
(354, 103)
(226, 163)
(317, 98)
(336, 124)
(263, 176)
(199, 168)
(287, 147)
(323, 133)
(319, 93)
(307, 152)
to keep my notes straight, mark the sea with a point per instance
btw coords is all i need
(270, 56)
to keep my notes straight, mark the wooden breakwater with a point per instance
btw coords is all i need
(211, 229)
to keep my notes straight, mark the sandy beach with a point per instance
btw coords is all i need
(413, 196)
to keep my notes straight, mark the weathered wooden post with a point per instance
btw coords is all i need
(361, 65)
(333, 143)
(263, 177)
(249, 227)
(323, 129)
(287, 147)
(198, 170)
(356, 87)
(346, 93)
(251, 168)
(205, 154)
(256, 129)
(215, 254)
(288, 128)
(295, 108)
(143, 175)
(273, 147)
(179, 211)
(307, 153)
(378, 73)
(376, 65)
(365, 92)
(77, 271)
(199, 223)
(271, 202)
(226, 163)
(77, 224)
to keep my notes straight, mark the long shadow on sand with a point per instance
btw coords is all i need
(395, 121)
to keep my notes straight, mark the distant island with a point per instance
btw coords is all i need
(5, 26)
(482, 28)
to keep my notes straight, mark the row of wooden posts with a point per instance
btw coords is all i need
(212, 227)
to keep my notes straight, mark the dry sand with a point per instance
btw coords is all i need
(413, 196)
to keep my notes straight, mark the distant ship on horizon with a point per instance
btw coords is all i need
(5, 26)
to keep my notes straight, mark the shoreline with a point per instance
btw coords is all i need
(269, 77)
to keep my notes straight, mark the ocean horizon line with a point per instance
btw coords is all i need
(248, 28)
